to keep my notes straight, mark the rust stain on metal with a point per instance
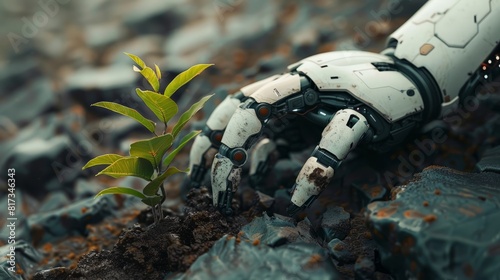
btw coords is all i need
(317, 178)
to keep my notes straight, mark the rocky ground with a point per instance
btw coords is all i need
(383, 217)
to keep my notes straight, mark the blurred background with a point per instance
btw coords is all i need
(60, 56)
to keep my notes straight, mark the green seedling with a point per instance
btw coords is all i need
(150, 159)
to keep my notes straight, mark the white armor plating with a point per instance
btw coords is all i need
(307, 184)
(251, 88)
(450, 39)
(200, 146)
(340, 138)
(222, 172)
(353, 71)
(379, 98)
(278, 89)
(243, 124)
(222, 114)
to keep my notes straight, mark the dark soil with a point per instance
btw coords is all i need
(156, 250)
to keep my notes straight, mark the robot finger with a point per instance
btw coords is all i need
(340, 136)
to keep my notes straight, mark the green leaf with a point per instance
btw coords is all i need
(150, 76)
(152, 187)
(129, 166)
(162, 106)
(126, 111)
(189, 114)
(158, 72)
(184, 78)
(183, 143)
(152, 149)
(106, 159)
(136, 59)
(152, 200)
(121, 190)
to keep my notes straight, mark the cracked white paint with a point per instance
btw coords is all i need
(307, 183)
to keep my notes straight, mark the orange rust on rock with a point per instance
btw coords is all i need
(412, 214)
(430, 218)
(314, 259)
(19, 270)
(339, 247)
(93, 248)
(386, 212)
(437, 192)
(84, 210)
(71, 256)
(256, 242)
(425, 203)
(47, 247)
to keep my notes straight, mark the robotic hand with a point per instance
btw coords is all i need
(430, 63)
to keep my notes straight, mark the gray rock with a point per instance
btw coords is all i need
(368, 193)
(265, 200)
(54, 142)
(37, 161)
(442, 225)
(340, 251)
(154, 17)
(143, 46)
(244, 260)
(305, 41)
(490, 160)
(275, 231)
(335, 223)
(54, 200)
(72, 219)
(113, 83)
(14, 74)
(26, 258)
(30, 102)
(56, 273)
(100, 35)
(22, 230)
(86, 188)
(364, 269)
(113, 131)
(266, 66)
(219, 31)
